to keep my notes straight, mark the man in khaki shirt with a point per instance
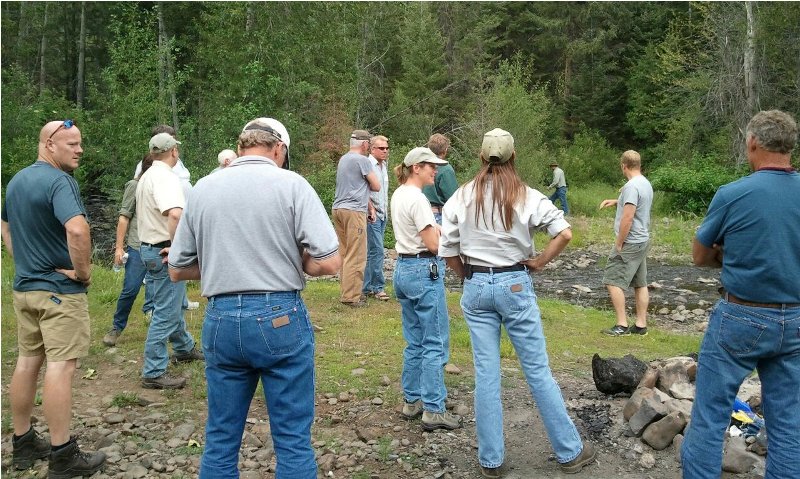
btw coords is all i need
(159, 204)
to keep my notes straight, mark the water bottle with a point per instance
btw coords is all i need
(118, 267)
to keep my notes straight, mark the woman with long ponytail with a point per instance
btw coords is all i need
(487, 231)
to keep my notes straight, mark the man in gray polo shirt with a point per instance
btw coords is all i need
(355, 178)
(249, 233)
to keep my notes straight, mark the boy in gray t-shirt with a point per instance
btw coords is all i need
(627, 264)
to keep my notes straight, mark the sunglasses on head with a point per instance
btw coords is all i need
(66, 124)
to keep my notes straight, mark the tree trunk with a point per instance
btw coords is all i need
(42, 51)
(750, 89)
(251, 18)
(81, 58)
(162, 81)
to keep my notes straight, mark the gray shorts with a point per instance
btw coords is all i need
(627, 267)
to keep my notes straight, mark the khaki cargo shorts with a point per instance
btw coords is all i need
(627, 267)
(52, 324)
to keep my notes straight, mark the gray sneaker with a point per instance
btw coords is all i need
(440, 420)
(587, 456)
(412, 410)
(110, 339)
(164, 381)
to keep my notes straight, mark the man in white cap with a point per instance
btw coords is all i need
(250, 235)
(159, 205)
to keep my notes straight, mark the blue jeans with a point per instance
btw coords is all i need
(249, 337)
(167, 322)
(374, 281)
(426, 329)
(738, 340)
(489, 301)
(561, 195)
(131, 284)
(438, 217)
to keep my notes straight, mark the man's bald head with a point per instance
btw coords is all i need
(60, 145)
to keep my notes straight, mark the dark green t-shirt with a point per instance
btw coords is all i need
(443, 187)
(40, 199)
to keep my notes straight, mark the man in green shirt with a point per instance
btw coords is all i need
(445, 183)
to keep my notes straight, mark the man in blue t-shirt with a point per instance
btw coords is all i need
(44, 215)
(756, 324)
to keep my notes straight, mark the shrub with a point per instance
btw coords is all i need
(689, 188)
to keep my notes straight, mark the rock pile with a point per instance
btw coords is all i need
(659, 410)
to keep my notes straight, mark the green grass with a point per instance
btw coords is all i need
(125, 399)
(371, 338)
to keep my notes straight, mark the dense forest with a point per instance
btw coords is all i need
(573, 81)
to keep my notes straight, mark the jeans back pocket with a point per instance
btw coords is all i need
(282, 328)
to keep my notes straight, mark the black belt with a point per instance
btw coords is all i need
(424, 254)
(492, 269)
(162, 244)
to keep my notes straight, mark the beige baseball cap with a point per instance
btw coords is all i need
(162, 142)
(498, 146)
(421, 154)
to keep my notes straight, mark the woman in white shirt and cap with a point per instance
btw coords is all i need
(487, 230)
(419, 286)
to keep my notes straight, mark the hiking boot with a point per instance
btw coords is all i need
(69, 462)
(164, 381)
(361, 303)
(586, 456)
(412, 410)
(617, 331)
(637, 330)
(440, 420)
(110, 339)
(193, 355)
(492, 472)
(28, 448)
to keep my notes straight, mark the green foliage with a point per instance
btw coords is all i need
(589, 159)
(691, 187)
(125, 399)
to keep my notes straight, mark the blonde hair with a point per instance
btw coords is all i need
(438, 144)
(402, 172)
(631, 160)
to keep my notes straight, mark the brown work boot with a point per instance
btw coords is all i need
(28, 448)
(110, 339)
(586, 456)
(193, 355)
(69, 462)
(164, 381)
(412, 410)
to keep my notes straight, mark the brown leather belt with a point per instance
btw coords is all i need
(733, 299)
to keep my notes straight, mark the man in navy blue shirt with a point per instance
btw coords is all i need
(756, 324)
(44, 215)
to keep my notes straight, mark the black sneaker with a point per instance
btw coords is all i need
(617, 331)
(637, 330)
(193, 355)
(69, 462)
(28, 448)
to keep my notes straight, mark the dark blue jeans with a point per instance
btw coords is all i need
(131, 284)
(560, 195)
(738, 340)
(247, 337)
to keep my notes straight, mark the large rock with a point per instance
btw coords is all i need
(650, 378)
(635, 402)
(674, 370)
(615, 375)
(651, 410)
(682, 391)
(660, 434)
(737, 459)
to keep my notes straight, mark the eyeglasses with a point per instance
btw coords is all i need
(66, 124)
